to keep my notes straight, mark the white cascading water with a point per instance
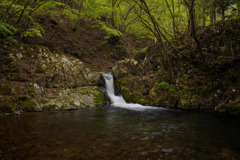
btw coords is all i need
(118, 101)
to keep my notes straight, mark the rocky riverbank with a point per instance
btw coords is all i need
(36, 79)
(177, 80)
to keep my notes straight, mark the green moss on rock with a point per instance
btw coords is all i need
(142, 101)
(99, 99)
(50, 107)
(234, 109)
(29, 106)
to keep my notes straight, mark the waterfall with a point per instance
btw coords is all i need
(118, 101)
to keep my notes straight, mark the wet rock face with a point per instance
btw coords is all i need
(65, 71)
(126, 67)
(129, 80)
(68, 99)
(36, 79)
(139, 84)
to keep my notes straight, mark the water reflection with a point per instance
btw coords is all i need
(116, 133)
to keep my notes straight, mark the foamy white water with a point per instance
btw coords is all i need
(118, 101)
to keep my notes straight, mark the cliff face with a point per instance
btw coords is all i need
(35, 79)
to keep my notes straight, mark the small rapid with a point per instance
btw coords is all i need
(118, 101)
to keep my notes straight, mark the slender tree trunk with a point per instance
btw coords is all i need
(212, 12)
(191, 8)
(155, 24)
(203, 15)
(173, 12)
(113, 13)
(214, 15)
(238, 8)
(223, 13)
(22, 13)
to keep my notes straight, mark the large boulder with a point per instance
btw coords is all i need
(129, 81)
(63, 70)
(33, 78)
(81, 97)
(126, 67)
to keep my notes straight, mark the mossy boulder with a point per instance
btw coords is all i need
(163, 95)
(231, 107)
(39, 79)
(142, 101)
(63, 71)
(49, 107)
(126, 67)
(99, 98)
(132, 89)
(69, 99)
(29, 105)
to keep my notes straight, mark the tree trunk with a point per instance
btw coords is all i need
(155, 24)
(191, 8)
(203, 16)
(238, 7)
(113, 14)
(172, 12)
(223, 13)
(214, 16)
(212, 12)
(25, 7)
(173, 16)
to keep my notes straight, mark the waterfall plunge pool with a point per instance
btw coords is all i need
(122, 131)
(119, 133)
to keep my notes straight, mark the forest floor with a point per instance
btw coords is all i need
(84, 40)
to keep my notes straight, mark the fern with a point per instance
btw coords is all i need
(6, 33)
(51, 8)
(6, 29)
(35, 31)
(110, 31)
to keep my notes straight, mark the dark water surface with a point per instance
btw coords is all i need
(115, 133)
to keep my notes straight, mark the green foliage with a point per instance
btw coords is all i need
(110, 31)
(117, 16)
(35, 31)
(6, 33)
(95, 9)
(6, 30)
(55, 8)
(166, 86)
(50, 7)
(12, 14)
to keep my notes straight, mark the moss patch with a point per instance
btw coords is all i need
(29, 106)
(49, 107)
(229, 109)
(99, 99)
(142, 101)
